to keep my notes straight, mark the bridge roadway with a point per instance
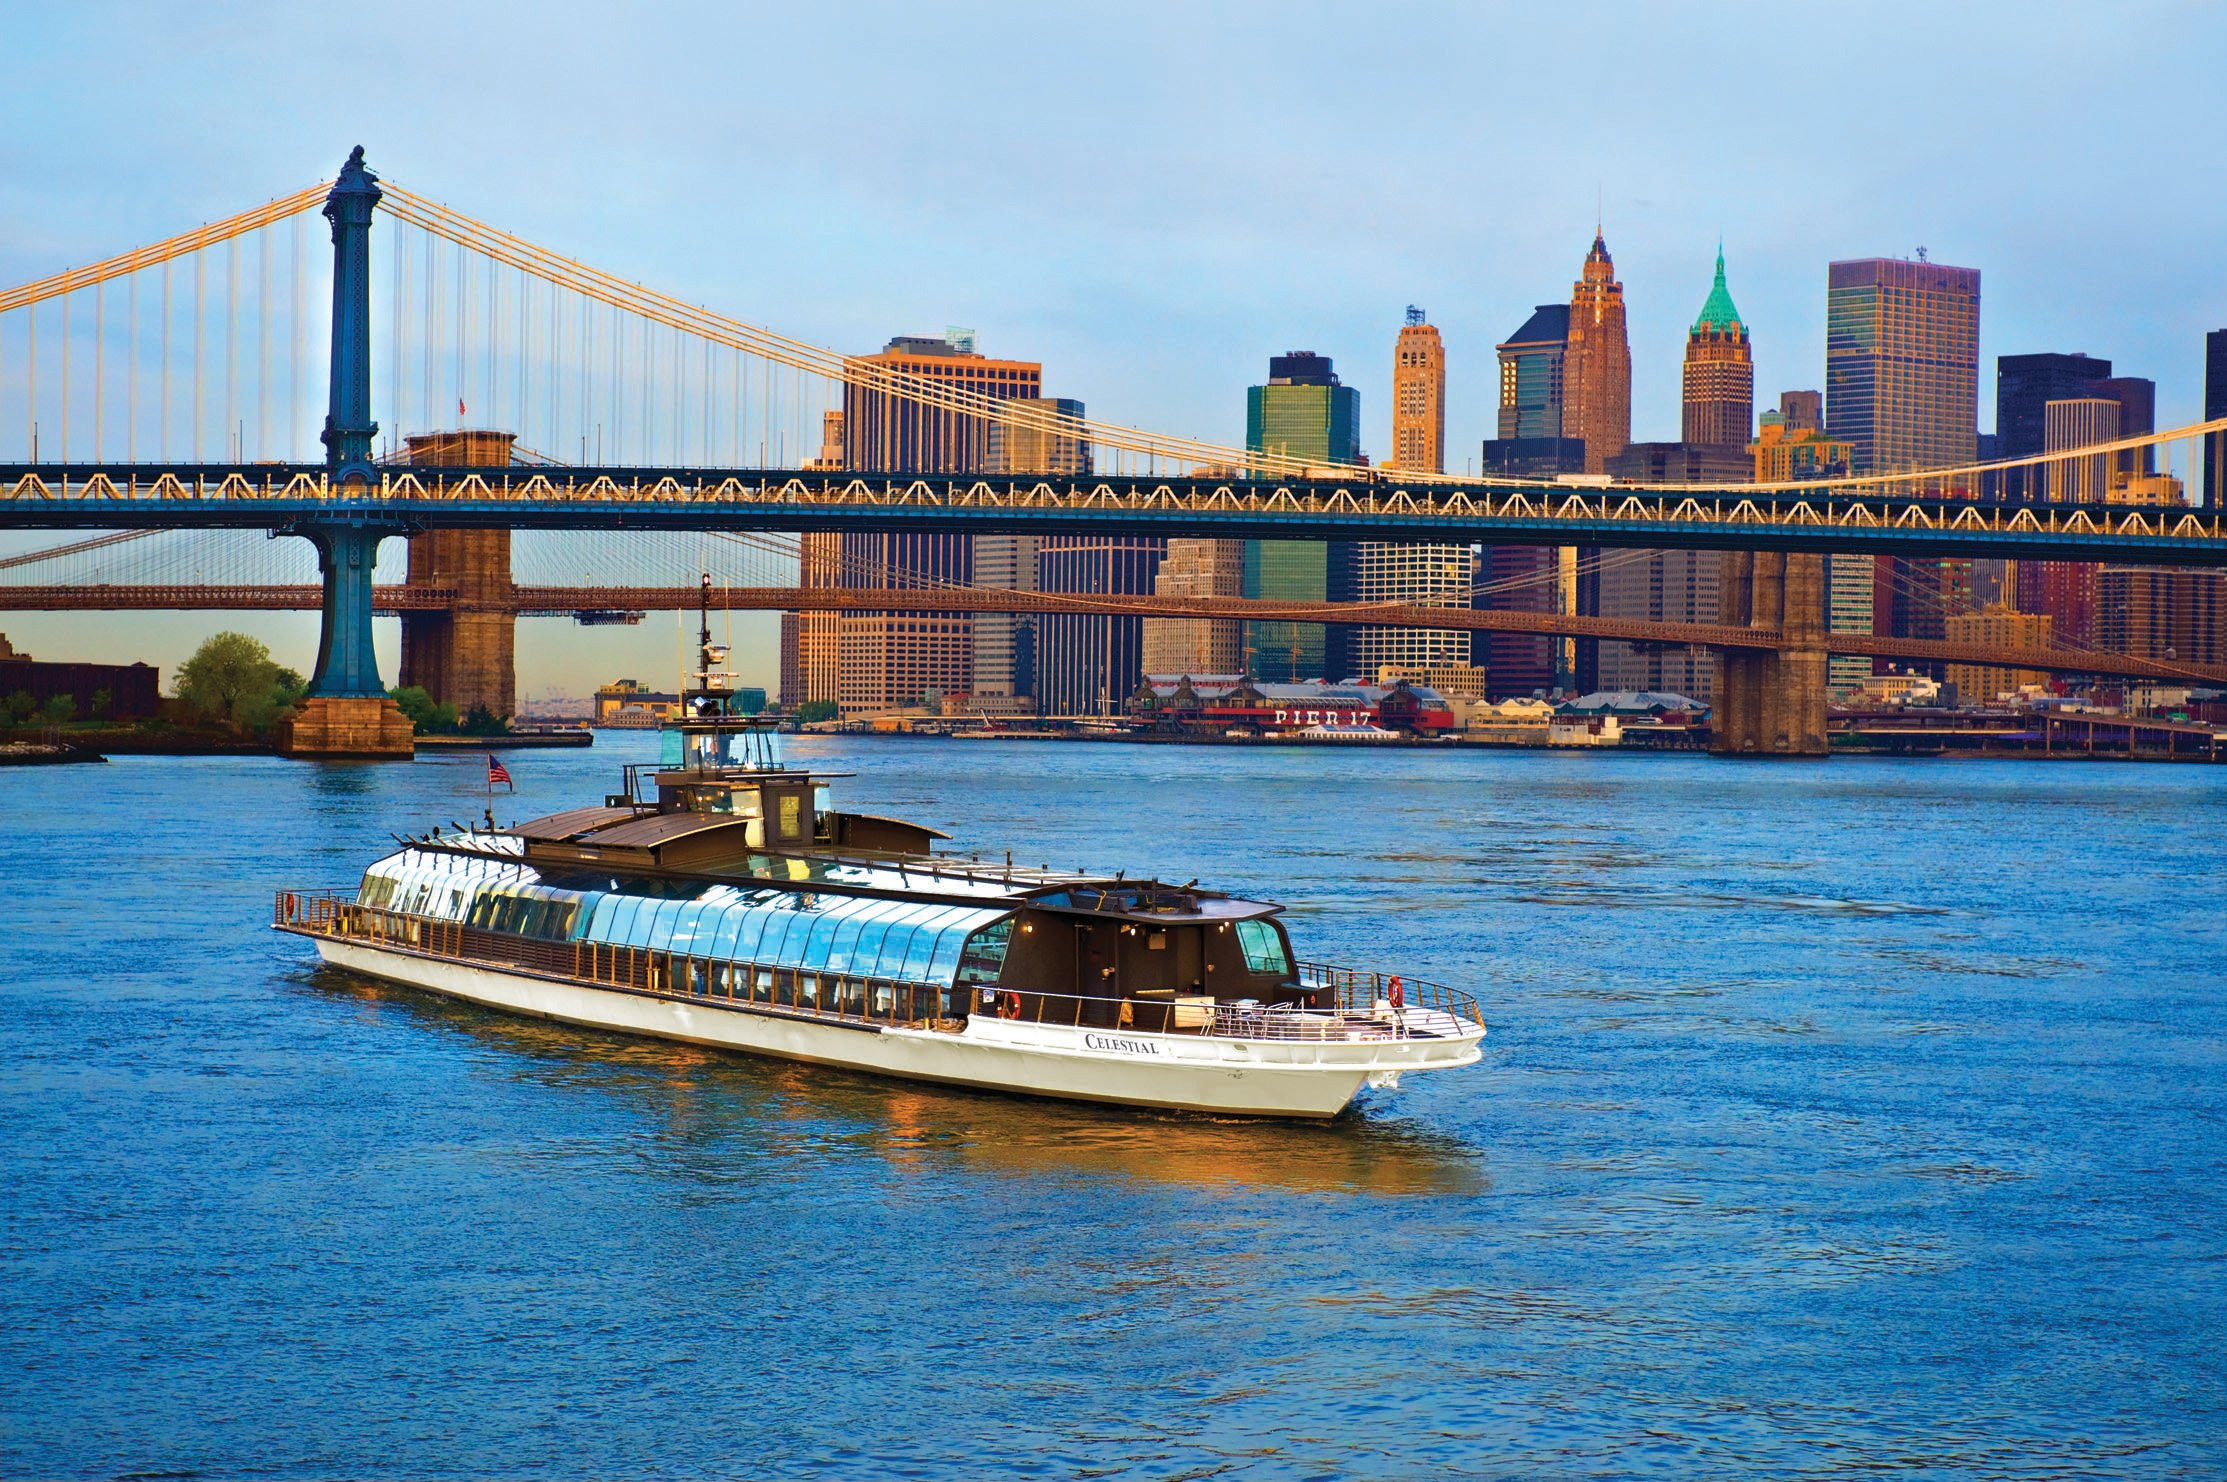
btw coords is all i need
(290, 497)
(564, 601)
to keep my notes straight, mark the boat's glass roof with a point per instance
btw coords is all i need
(905, 940)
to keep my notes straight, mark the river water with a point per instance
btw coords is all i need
(1864, 1115)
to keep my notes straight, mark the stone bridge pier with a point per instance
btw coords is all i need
(464, 654)
(1771, 701)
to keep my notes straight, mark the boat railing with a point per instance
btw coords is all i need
(678, 975)
(1327, 1003)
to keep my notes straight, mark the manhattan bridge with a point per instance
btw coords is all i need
(643, 436)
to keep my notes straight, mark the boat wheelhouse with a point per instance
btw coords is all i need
(719, 898)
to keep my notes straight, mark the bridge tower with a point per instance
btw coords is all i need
(1771, 701)
(346, 712)
(464, 653)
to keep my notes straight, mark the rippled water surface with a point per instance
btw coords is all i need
(1861, 1115)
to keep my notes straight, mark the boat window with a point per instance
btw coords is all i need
(689, 929)
(1263, 946)
(750, 938)
(950, 945)
(619, 929)
(787, 927)
(842, 952)
(819, 945)
(721, 942)
(655, 926)
(882, 919)
(600, 927)
(982, 959)
(921, 952)
(897, 941)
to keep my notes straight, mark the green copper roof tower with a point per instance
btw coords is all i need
(1717, 312)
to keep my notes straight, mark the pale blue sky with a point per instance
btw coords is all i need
(1152, 199)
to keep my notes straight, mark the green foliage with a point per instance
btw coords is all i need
(812, 710)
(427, 717)
(21, 707)
(60, 710)
(231, 680)
(101, 701)
(483, 722)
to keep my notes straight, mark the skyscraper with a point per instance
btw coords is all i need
(1902, 389)
(1531, 578)
(1195, 567)
(1087, 663)
(1902, 362)
(1791, 445)
(2024, 387)
(895, 659)
(1597, 365)
(2079, 422)
(1720, 372)
(2066, 591)
(2215, 407)
(1420, 575)
(1302, 412)
(1804, 411)
(1418, 397)
(1533, 444)
(812, 642)
(1008, 649)
(1677, 586)
(1531, 375)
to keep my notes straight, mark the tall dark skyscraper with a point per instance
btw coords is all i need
(2024, 387)
(1087, 663)
(1531, 375)
(1302, 412)
(2215, 407)
(1532, 578)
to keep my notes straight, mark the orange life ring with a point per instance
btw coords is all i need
(1009, 1005)
(1399, 995)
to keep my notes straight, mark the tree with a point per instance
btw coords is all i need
(231, 679)
(480, 721)
(812, 710)
(101, 701)
(427, 717)
(21, 707)
(59, 710)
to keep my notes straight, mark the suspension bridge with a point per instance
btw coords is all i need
(629, 410)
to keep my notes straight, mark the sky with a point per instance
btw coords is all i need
(1152, 199)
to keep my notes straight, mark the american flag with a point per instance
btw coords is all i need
(497, 772)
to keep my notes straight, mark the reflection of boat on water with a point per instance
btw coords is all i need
(715, 1099)
(720, 900)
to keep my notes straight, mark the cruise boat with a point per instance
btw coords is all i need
(721, 899)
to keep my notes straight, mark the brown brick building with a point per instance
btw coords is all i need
(1597, 362)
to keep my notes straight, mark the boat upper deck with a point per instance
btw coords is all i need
(594, 837)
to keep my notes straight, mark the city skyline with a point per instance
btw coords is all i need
(1159, 296)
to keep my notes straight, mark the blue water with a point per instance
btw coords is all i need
(1836, 1117)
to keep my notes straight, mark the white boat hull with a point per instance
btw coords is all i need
(1234, 1077)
